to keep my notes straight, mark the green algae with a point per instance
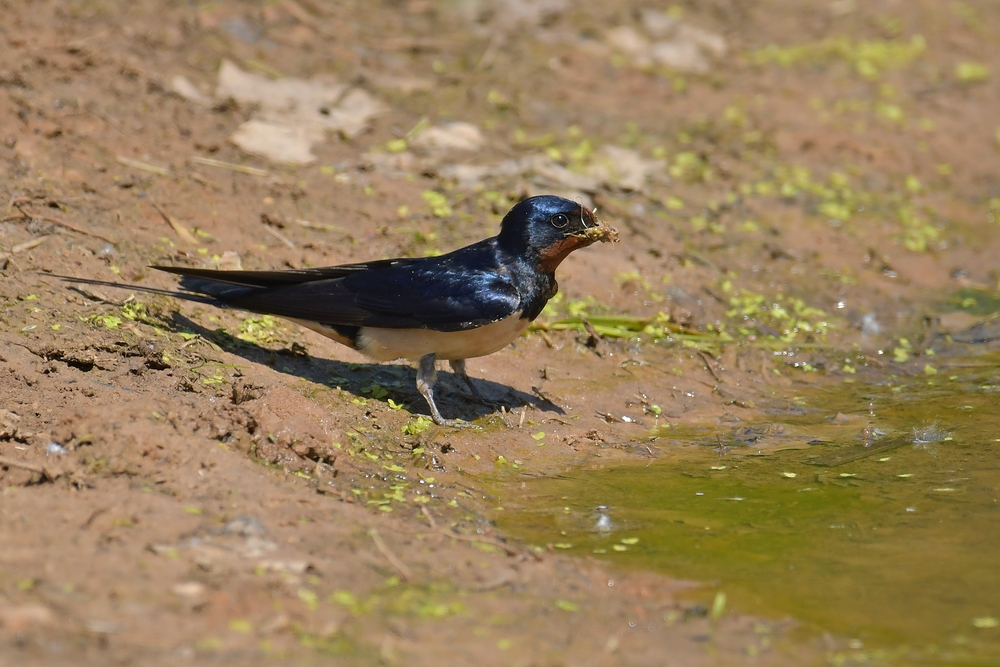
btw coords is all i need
(973, 301)
(396, 599)
(756, 319)
(869, 511)
(870, 59)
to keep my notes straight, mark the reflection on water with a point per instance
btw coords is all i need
(872, 513)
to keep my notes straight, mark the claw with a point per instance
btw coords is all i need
(457, 423)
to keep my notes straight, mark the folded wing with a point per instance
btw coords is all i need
(454, 292)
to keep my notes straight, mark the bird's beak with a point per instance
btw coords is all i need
(596, 230)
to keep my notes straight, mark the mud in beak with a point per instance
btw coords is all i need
(597, 230)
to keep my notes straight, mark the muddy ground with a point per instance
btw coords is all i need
(181, 483)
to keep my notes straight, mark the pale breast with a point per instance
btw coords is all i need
(388, 344)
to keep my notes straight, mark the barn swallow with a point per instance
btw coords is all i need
(467, 303)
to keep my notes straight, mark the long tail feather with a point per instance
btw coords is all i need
(186, 296)
(271, 278)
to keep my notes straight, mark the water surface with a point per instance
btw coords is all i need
(870, 511)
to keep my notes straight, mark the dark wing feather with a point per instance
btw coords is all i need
(441, 296)
(278, 278)
(460, 290)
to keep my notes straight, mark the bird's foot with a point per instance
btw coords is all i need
(490, 403)
(454, 423)
(426, 375)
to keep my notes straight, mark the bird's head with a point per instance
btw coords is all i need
(548, 228)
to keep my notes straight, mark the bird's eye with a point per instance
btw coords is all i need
(559, 220)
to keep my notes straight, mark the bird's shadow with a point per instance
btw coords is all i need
(373, 381)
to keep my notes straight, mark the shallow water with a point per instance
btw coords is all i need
(870, 512)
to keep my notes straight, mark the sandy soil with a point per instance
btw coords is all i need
(180, 483)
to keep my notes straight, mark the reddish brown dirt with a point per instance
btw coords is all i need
(170, 492)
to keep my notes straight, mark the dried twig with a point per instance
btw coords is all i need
(74, 228)
(708, 364)
(303, 16)
(180, 229)
(447, 532)
(542, 395)
(496, 41)
(143, 166)
(12, 463)
(503, 416)
(16, 202)
(28, 215)
(430, 517)
(278, 235)
(198, 178)
(209, 162)
(108, 119)
(594, 339)
(317, 226)
(404, 572)
(28, 245)
(506, 548)
(504, 578)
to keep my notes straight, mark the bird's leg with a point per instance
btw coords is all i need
(426, 376)
(458, 366)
